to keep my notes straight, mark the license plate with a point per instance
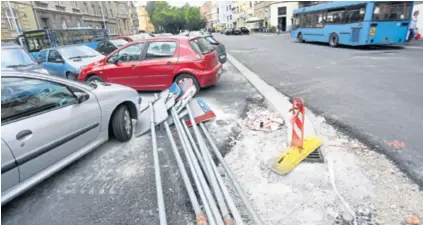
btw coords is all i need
(222, 56)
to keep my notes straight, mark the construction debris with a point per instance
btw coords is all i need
(263, 120)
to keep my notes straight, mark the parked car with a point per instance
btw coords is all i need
(15, 57)
(244, 30)
(237, 31)
(155, 63)
(67, 61)
(48, 122)
(221, 50)
(229, 31)
(106, 47)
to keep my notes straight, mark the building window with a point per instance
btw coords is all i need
(10, 19)
(75, 4)
(59, 3)
(78, 24)
(86, 7)
(281, 11)
(251, 4)
(230, 17)
(217, 10)
(93, 10)
(99, 10)
(111, 13)
(63, 24)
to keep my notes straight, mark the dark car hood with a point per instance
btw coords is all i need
(30, 68)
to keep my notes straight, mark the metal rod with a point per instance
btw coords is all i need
(197, 181)
(195, 168)
(193, 198)
(218, 193)
(197, 152)
(253, 213)
(228, 197)
(159, 188)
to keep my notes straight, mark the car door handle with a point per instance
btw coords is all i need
(133, 66)
(169, 62)
(21, 135)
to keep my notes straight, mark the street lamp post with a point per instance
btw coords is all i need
(102, 14)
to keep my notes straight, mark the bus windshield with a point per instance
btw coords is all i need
(388, 11)
(37, 40)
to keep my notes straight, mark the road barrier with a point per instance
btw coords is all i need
(188, 112)
(300, 147)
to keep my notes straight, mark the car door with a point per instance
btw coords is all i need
(159, 64)
(9, 169)
(42, 58)
(42, 122)
(121, 67)
(55, 63)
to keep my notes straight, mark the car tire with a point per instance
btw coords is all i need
(189, 76)
(122, 124)
(94, 78)
(334, 40)
(300, 38)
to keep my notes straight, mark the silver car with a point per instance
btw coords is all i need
(48, 122)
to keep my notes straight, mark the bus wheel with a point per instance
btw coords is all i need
(300, 38)
(333, 40)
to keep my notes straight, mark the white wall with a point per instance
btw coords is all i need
(290, 7)
(419, 6)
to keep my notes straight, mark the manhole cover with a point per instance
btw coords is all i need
(315, 157)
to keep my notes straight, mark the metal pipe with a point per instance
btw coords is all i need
(218, 193)
(254, 215)
(194, 201)
(197, 152)
(159, 188)
(201, 182)
(228, 197)
(195, 176)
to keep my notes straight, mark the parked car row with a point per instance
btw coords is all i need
(88, 113)
(237, 31)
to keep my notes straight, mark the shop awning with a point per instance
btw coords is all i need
(253, 20)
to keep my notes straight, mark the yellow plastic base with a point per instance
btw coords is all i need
(292, 156)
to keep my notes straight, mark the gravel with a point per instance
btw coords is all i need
(373, 186)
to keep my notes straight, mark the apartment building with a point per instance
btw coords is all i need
(144, 21)
(19, 13)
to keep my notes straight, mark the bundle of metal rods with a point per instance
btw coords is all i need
(212, 194)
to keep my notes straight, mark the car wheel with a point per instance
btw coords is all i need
(333, 40)
(122, 124)
(71, 76)
(180, 77)
(95, 78)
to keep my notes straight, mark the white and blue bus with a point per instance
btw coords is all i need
(36, 40)
(353, 23)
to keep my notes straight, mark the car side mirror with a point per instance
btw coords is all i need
(114, 60)
(40, 60)
(81, 97)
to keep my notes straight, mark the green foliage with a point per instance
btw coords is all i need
(272, 29)
(166, 18)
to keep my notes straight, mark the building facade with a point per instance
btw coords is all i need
(224, 14)
(242, 11)
(22, 14)
(119, 17)
(206, 13)
(262, 11)
(145, 24)
(281, 12)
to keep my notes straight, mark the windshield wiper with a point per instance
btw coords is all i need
(82, 56)
(20, 65)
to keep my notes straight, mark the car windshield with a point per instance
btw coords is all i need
(78, 52)
(118, 42)
(201, 46)
(15, 57)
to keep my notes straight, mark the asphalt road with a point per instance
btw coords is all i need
(115, 183)
(373, 94)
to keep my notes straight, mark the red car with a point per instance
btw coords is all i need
(155, 63)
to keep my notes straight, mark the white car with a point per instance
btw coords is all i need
(48, 122)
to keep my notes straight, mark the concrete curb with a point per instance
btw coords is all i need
(279, 102)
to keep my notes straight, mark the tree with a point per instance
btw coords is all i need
(166, 18)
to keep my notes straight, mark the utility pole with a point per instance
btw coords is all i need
(102, 14)
(12, 14)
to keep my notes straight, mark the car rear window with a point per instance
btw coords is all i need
(201, 46)
(211, 40)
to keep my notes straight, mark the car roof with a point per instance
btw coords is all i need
(167, 38)
(63, 46)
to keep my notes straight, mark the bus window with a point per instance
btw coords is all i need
(384, 11)
(355, 14)
(296, 22)
(335, 16)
